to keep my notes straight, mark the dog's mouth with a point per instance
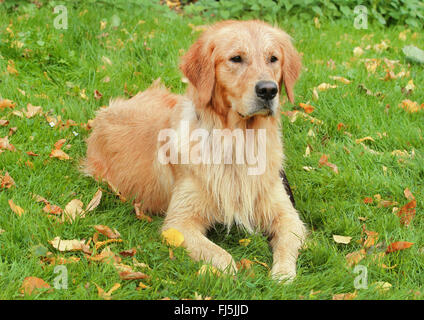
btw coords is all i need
(263, 112)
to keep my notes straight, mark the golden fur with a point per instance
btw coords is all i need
(123, 147)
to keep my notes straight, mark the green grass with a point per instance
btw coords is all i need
(55, 65)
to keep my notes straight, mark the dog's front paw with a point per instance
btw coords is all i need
(225, 262)
(284, 272)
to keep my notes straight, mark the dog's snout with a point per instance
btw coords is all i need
(266, 90)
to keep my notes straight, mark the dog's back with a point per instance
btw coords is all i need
(122, 148)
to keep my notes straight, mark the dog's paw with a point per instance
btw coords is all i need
(225, 263)
(284, 273)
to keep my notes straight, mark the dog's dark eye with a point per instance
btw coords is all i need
(236, 59)
(273, 59)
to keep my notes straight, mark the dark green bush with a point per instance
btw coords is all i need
(385, 12)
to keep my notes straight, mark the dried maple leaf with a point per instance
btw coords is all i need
(398, 245)
(323, 161)
(32, 285)
(106, 231)
(15, 208)
(173, 237)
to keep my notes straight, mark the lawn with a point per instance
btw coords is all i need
(115, 49)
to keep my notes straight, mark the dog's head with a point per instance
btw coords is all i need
(241, 66)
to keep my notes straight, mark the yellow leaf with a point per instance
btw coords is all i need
(341, 239)
(173, 237)
(244, 242)
(34, 284)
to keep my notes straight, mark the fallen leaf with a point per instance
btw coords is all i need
(367, 200)
(32, 111)
(398, 245)
(52, 209)
(325, 86)
(340, 79)
(173, 237)
(411, 106)
(32, 285)
(5, 144)
(57, 152)
(407, 212)
(140, 214)
(69, 245)
(244, 242)
(107, 295)
(128, 253)
(382, 286)
(6, 181)
(6, 103)
(408, 194)
(93, 204)
(73, 210)
(133, 275)
(15, 208)
(371, 240)
(341, 239)
(345, 296)
(106, 231)
(323, 161)
(355, 257)
(307, 107)
(358, 141)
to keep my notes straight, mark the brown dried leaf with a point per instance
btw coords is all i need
(93, 204)
(6, 181)
(32, 285)
(105, 230)
(398, 245)
(15, 208)
(133, 275)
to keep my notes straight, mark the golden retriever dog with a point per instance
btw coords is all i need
(236, 70)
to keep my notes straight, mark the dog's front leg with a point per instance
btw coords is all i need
(288, 233)
(187, 214)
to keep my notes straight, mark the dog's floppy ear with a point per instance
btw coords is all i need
(291, 65)
(198, 66)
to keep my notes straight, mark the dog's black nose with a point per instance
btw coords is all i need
(266, 90)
